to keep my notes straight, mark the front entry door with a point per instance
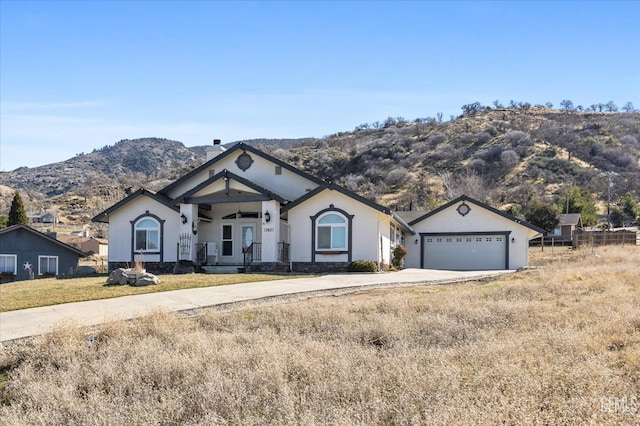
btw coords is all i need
(248, 235)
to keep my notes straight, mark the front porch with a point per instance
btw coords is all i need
(221, 239)
(208, 262)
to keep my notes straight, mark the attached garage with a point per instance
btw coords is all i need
(478, 251)
(466, 234)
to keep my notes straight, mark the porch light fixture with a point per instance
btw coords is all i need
(513, 240)
(416, 241)
(183, 218)
(267, 216)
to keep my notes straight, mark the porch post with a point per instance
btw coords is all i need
(270, 230)
(187, 226)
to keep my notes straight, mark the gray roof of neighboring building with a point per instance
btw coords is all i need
(570, 219)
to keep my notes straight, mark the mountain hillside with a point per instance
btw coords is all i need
(505, 156)
(514, 154)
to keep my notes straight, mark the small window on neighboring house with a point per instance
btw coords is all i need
(147, 235)
(8, 263)
(278, 170)
(331, 232)
(47, 265)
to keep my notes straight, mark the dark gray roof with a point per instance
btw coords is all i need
(344, 191)
(44, 236)
(409, 215)
(570, 219)
(229, 175)
(160, 198)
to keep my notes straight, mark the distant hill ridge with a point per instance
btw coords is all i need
(518, 153)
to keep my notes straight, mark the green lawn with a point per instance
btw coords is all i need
(52, 291)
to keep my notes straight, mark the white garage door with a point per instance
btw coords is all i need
(464, 252)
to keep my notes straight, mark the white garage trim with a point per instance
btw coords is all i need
(451, 246)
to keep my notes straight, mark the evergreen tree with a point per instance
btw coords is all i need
(543, 216)
(580, 201)
(629, 208)
(17, 214)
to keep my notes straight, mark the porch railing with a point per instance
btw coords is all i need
(184, 247)
(283, 252)
(253, 253)
(201, 253)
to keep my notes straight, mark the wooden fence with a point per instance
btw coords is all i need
(602, 238)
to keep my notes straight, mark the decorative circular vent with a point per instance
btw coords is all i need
(244, 161)
(463, 209)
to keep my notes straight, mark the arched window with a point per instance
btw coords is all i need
(331, 232)
(147, 235)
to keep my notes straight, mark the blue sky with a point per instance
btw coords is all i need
(75, 76)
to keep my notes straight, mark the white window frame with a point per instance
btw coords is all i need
(15, 263)
(40, 258)
(135, 235)
(332, 226)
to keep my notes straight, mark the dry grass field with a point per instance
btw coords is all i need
(553, 345)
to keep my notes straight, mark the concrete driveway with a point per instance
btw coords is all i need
(35, 321)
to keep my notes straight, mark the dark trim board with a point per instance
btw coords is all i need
(505, 234)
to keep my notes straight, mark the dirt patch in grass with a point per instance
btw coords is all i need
(559, 345)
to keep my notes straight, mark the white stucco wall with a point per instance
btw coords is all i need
(120, 229)
(368, 224)
(288, 184)
(478, 219)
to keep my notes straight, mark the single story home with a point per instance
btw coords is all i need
(26, 253)
(42, 217)
(245, 208)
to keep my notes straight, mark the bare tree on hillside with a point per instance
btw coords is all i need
(468, 182)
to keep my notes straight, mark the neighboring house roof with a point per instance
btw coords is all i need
(45, 236)
(480, 204)
(102, 241)
(344, 191)
(237, 147)
(162, 199)
(225, 175)
(569, 219)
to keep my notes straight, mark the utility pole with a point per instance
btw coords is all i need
(609, 176)
(609, 202)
